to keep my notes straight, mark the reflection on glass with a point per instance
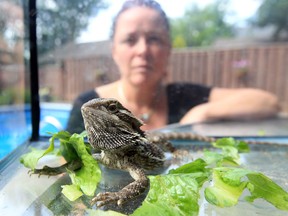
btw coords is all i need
(15, 117)
(214, 44)
(59, 25)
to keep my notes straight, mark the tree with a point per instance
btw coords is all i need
(201, 27)
(11, 32)
(61, 21)
(273, 12)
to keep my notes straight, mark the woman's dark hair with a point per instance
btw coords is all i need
(140, 3)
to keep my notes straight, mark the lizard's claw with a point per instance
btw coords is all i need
(108, 197)
(46, 170)
(181, 153)
(31, 172)
(53, 171)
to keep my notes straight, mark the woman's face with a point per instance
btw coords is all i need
(141, 46)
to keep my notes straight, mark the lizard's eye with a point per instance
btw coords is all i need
(112, 108)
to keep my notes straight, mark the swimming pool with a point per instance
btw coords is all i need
(15, 126)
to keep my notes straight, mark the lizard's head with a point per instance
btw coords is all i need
(109, 124)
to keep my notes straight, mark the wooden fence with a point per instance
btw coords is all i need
(262, 67)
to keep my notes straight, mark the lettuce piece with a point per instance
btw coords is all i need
(260, 186)
(72, 192)
(197, 170)
(97, 212)
(228, 185)
(175, 194)
(72, 147)
(220, 159)
(198, 165)
(31, 159)
(89, 175)
(230, 152)
(223, 143)
(242, 146)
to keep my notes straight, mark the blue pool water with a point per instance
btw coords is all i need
(54, 118)
(15, 124)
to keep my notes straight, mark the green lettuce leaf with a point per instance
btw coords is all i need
(218, 159)
(72, 147)
(198, 165)
(260, 186)
(197, 170)
(171, 195)
(89, 175)
(97, 212)
(229, 154)
(72, 192)
(223, 143)
(31, 159)
(229, 183)
(227, 186)
(176, 193)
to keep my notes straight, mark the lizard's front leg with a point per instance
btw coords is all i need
(131, 191)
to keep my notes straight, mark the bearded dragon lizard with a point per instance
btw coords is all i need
(116, 132)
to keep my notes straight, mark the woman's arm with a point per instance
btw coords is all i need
(223, 103)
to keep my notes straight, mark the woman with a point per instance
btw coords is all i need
(141, 48)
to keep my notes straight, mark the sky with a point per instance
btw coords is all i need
(99, 26)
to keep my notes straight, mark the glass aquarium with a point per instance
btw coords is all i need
(42, 195)
(53, 51)
(15, 109)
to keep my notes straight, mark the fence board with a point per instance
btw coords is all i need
(263, 67)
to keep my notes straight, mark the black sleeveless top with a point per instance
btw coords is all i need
(181, 98)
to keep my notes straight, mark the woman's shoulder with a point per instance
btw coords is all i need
(87, 95)
(108, 90)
